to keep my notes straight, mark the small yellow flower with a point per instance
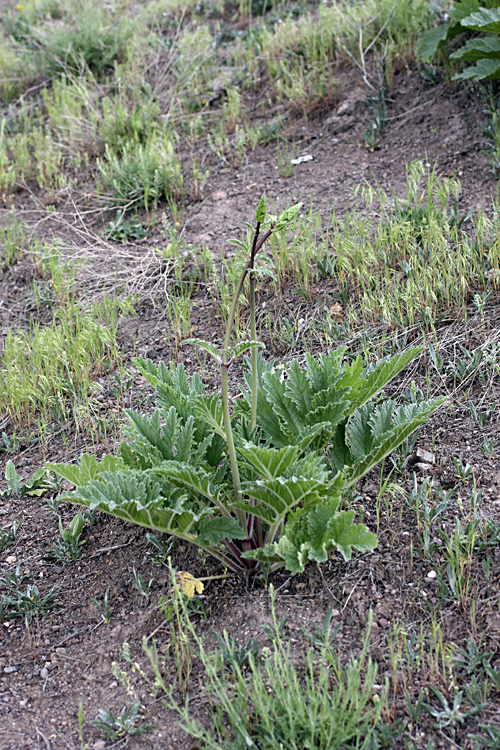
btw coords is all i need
(19, 7)
(188, 584)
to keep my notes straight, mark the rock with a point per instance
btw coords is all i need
(336, 124)
(424, 468)
(424, 456)
(44, 673)
(10, 670)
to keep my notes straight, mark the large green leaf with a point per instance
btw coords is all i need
(215, 530)
(381, 374)
(282, 404)
(88, 469)
(485, 19)
(312, 535)
(478, 49)
(430, 42)
(269, 463)
(194, 480)
(484, 70)
(209, 409)
(405, 420)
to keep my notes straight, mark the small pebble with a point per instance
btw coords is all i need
(44, 673)
(431, 574)
(10, 670)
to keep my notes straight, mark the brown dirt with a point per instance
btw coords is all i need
(49, 666)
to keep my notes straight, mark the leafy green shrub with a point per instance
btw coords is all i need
(265, 486)
(469, 16)
(143, 173)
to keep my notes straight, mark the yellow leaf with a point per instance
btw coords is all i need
(188, 584)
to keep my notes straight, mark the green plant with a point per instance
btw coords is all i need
(124, 230)
(378, 120)
(488, 447)
(324, 636)
(40, 482)
(27, 603)
(12, 236)
(46, 371)
(465, 17)
(450, 714)
(69, 546)
(126, 723)
(162, 548)
(265, 484)
(488, 741)
(8, 535)
(104, 608)
(143, 173)
(88, 37)
(271, 703)
(234, 655)
(140, 582)
(461, 469)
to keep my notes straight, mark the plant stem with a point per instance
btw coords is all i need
(253, 327)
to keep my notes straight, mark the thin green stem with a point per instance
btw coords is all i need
(241, 515)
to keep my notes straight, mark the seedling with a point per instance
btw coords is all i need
(8, 535)
(127, 722)
(324, 636)
(234, 655)
(27, 603)
(462, 470)
(490, 740)
(104, 608)
(481, 417)
(471, 660)
(69, 546)
(449, 715)
(488, 447)
(276, 630)
(140, 582)
(162, 547)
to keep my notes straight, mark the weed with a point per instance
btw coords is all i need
(48, 369)
(143, 174)
(88, 38)
(236, 657)
(40, 482)
(462, 470)
(140, 583)
(124, 230)
(104, 608)
(8, 535)
(378, 121)
(69, 546)
(162, 547)
(471, 660)
(282, 699)
(324, 636)
(12, 238)
(450, 714)
(257, 478)
(488, 741)
(126, 723)
(27, 603)
(276, 631)
(488, 447)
